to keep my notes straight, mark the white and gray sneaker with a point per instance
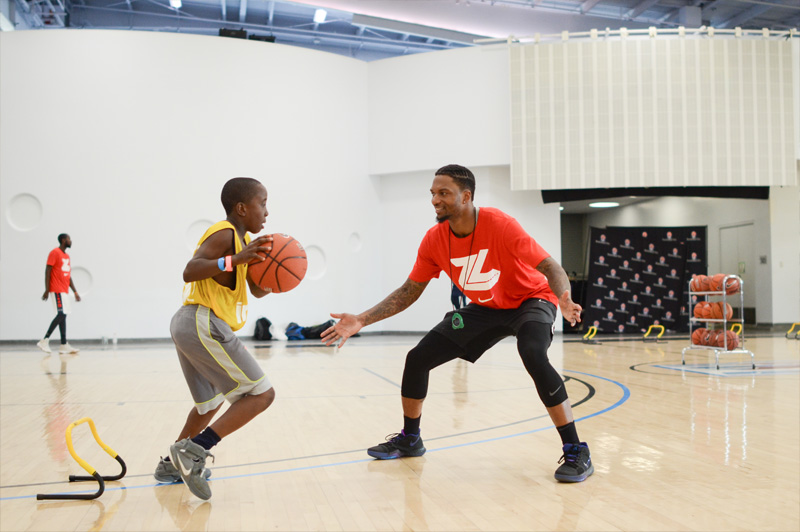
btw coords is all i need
(190, 460)
(44, 345)
(167, 473)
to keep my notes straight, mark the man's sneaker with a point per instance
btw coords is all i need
(44, 345)
(167, 473)
(577, 464)
(397, 446)
(189, 459)
(67, 349)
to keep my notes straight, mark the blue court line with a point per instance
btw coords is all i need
(626, 394)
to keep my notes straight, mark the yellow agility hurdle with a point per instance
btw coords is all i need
(89, 469)
(736, 328)
(588, 338)
(797, 334)
(646, 337)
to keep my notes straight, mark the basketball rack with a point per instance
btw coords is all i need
(736, 324)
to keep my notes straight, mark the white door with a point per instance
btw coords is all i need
(737, 255)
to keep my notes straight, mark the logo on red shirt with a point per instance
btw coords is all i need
(471, 276)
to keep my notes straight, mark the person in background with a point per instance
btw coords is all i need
(57, 282)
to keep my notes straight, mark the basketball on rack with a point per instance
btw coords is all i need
(698, 335)
(284, 267)
(732, 286)
(702, 310)
(716, 282)
(698, 281)
(716, 310)
(733, 340)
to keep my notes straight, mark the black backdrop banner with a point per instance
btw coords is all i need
(638, 276)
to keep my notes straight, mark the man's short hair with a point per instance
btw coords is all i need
(62, 237)
(462, 175)
(238, 190)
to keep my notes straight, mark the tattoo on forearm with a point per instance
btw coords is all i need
(556, 277)
(396, 302)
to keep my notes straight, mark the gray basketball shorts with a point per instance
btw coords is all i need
(216, 365)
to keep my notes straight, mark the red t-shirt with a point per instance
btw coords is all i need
(59, 275)
(501, 269)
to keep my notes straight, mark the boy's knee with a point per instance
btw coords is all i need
(267, 398)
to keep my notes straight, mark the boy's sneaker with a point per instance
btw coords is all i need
(189, 459)
(577, 464)
(167, 473)
(397, 446)
(67, 349)
(44, 345)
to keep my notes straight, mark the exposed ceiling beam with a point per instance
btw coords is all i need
(640, 8)
(415, 29)
(744, 16)
(223, 4)
(587, 5)
(242, 10)
(271, 13)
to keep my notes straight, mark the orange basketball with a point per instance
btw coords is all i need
(702, 310)
(732, 286)
(694, 285)
(284, 267)
(716, 310)
(710, 338)
(716, 282)
(704, 283)
(728, 310)
(733, 340)
(721, 338)
(698, 335)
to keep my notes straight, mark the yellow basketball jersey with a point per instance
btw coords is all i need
(229, 305)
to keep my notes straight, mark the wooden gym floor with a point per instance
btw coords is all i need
(675, 447)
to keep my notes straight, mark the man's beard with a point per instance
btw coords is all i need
(443, 219)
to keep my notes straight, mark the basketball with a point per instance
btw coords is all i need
(284, 267)
(716, 311)
(732, 286)
(716, 282)
(710, 337)
(704, 283)
(733, 340)
(702, 310)
(698, 335)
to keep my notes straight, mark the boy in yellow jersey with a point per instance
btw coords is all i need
(215, 363)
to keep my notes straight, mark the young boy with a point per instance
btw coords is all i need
(215, 363)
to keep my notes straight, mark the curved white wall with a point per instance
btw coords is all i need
(126, 139)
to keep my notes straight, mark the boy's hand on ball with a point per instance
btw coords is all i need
(257, 249)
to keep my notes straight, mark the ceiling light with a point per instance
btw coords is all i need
(604, 204)
(320, 15)
(561, 208)
(176, 3)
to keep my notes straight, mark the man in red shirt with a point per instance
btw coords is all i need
(57, 282)
(514, 286)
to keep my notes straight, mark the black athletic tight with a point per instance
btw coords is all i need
(59, 321)
(533, 339)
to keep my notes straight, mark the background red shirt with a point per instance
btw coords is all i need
(501, 272)
(59, 275)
